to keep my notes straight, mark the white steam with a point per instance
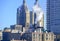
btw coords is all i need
(39, 13)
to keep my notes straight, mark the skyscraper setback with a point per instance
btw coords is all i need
(53, 15)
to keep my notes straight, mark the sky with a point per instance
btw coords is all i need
(8, 10)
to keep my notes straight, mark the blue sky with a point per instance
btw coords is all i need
(8, 9)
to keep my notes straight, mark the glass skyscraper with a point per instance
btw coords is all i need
(53, 15)
(23, 15)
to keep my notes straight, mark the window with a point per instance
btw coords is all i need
(46, 36)
(33, 36)
(0, 37)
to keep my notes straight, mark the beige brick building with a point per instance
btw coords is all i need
(49, 36)
(37, 36)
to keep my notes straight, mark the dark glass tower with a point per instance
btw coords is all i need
(23, 15)
(53, 15)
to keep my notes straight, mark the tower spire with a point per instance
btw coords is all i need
(24, 1)
(36, 1)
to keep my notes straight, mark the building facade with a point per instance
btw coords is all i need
(49, 36)
(7, 36)
(53, 15)
(16, 27)
(37, 36)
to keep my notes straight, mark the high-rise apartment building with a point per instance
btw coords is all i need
(23, 15)
(53, 15)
